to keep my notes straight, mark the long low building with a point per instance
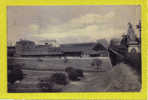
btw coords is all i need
(28, 48)
(83, 49)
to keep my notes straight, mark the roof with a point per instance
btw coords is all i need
(25, 41)
(11, 47)
(87, 47)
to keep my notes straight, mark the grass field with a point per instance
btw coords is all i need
(58, 64)
(36, 69)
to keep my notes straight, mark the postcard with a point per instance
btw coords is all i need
(70, 50)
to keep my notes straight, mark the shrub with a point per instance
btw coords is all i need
(46, 85)
(59, 78)
(14, 75)
(80, 72)
(15, 72)
(52, 83)
(73, 73)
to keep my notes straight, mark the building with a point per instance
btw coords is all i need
(83, 49)
(133, 42)
(134, 47)
(28, 48)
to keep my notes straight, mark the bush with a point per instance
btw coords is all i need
(15, 72)
(15, 75)
(80, 72)
(59, 78)
(46, 85)
(52, 84)
(74, 74)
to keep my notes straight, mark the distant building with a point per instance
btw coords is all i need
(23, 45)
(28, 48)
(83, 49)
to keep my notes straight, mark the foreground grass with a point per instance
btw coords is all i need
(119, 78)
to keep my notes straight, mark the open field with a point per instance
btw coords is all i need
(38, 68)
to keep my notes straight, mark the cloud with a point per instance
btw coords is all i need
(34, 27)
(86, 28)
(92, 18)
(68, 25)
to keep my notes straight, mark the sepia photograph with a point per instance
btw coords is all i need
(77, 48)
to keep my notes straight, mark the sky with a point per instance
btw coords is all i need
(69, 24)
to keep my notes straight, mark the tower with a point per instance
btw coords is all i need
(133, 44)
